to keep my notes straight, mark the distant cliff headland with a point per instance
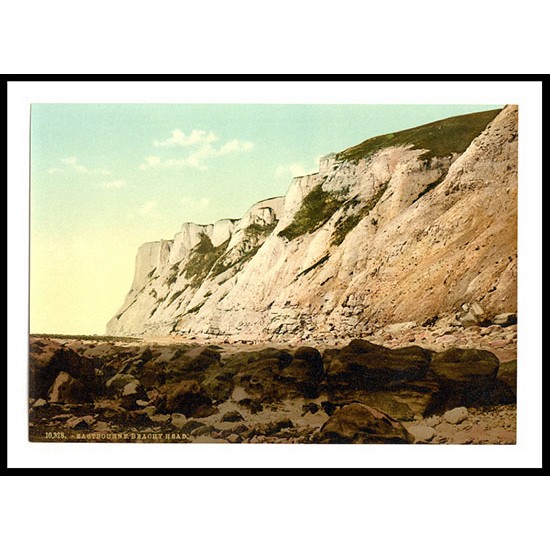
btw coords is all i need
(414, 227)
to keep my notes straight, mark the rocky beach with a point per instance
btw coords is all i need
(405, 385)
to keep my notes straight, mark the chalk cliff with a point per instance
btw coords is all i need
(408, 227)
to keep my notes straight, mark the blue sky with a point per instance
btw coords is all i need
(107, 177)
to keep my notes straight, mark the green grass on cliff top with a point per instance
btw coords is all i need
(440, 138)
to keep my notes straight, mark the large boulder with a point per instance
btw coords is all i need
(358, 423)
(464, 365)
(47, 358)
(218, 385)
(507, 375)
(305, 372)
(66, 389)
(115, 385)
(467, 378)
(363, 365)
(187, 397)
(259, 373)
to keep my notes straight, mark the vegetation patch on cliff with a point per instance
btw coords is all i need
(345, 225)
(441, 138)
(256, 231)
(222, 266)
(317, 208)
(201, 260)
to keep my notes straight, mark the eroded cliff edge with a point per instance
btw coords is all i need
(410, 227)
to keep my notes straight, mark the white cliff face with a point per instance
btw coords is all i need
(396, 236)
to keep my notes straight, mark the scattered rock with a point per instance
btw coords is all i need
(187, 397)
(115, 385)
(357, 423)
(232, 416)
(39, 403)
(456, 416)
(433, 421)
(253, 406)
(203, 430)
(178, 420)
(310, 408)
(421, 434)
(190, 426)
(80, 423)
(67, 389)
(131, 393)
(505, 319)
(102, 427)
(387, 403)
(160, 418)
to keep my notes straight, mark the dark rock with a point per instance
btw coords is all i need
(357, 423)
(386, 403)
(271, 428)
(80, 423)
(194, 364)
(464, 365)
(253, 406)
(132, 393)
(329, 407)
(232, 416)
(48, 358)
(309, 408)
(240, 429)
(259, 373)
(190, 426)
(203, 430)
(187, 397)
(507, 374)
(205, 410)
(505, 319)
(467, 378)
(116, 384)
(67, 389)
(218, 385)
(152, 375)
(305, 372)
(362, 365)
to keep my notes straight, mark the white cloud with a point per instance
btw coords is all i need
(114, 184)
(71, 165)
(147, 208)
(294, 169)
(196, 137)
(235, 146)
(201, 148)
(150, 162)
